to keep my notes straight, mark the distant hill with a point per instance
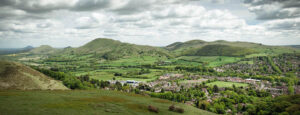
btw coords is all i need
(43, 49)
(193, 47)
(5, 51)
(219, 50)
(179, 45)
(113, 49)
(17, 76)
(294, 46)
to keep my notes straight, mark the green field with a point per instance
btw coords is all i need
(87, 102)
(210, 61)
(227, 84)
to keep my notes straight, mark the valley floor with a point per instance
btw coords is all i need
(79, 102)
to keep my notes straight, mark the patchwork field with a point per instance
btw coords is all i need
(210, 61)
(193, 81)
(78, 102)
(227, 84)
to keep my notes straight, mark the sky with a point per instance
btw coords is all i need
(62, 23)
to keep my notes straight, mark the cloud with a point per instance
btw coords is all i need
(92, 21)
(283, 24)
(150, 22)
(88, 5)
(274, 9)
(38, 6)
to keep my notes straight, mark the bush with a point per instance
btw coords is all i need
(172, 108)
(179, 110)
(153, 109)
(176, 109)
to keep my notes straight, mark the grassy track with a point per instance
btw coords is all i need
(87, 102)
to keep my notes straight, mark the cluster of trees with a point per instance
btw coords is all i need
(282, 105)
(195, 69)
(72, 82)
(134, 74)
(233, 100)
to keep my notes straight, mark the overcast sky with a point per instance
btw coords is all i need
(62, 23)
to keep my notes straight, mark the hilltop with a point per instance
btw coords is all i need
(219, 50)
(103, 48)
(43, 49)
(113, 49)
(202, 48)
(17, 76)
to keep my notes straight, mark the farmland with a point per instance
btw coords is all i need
(100, 72)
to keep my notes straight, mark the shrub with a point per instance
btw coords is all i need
(176, 109)
(179, 110)
(172, 108)
(153, 109)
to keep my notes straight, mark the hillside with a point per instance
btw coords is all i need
(184, 48)
(86, 102)
(180, 45)
(219, 50)
(43, 49)
(17, 76)
(112, 49)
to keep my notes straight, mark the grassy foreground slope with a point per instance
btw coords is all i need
(79, 102)
(17, 76)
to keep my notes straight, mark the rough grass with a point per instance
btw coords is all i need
(78, 102)
(17, 76)
(227, 84)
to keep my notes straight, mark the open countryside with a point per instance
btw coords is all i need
(151, 57)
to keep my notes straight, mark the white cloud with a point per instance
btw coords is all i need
(155, 22)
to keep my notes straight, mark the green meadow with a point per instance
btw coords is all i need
(227, 84)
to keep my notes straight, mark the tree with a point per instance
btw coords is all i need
(215, 89)
(291, 89)
(162, 90)
(118, 85)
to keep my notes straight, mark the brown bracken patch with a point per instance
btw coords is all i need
(162, 101)
(137, 107)
(8, 93)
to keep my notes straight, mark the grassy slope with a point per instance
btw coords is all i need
(220, 50)
(43, 49)
(17, 76)
(78, 102)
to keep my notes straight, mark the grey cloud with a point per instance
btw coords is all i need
(134, 6)
(87, 5)
(35, 6)
(286, 24)
(7, 2)
(274, 9)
